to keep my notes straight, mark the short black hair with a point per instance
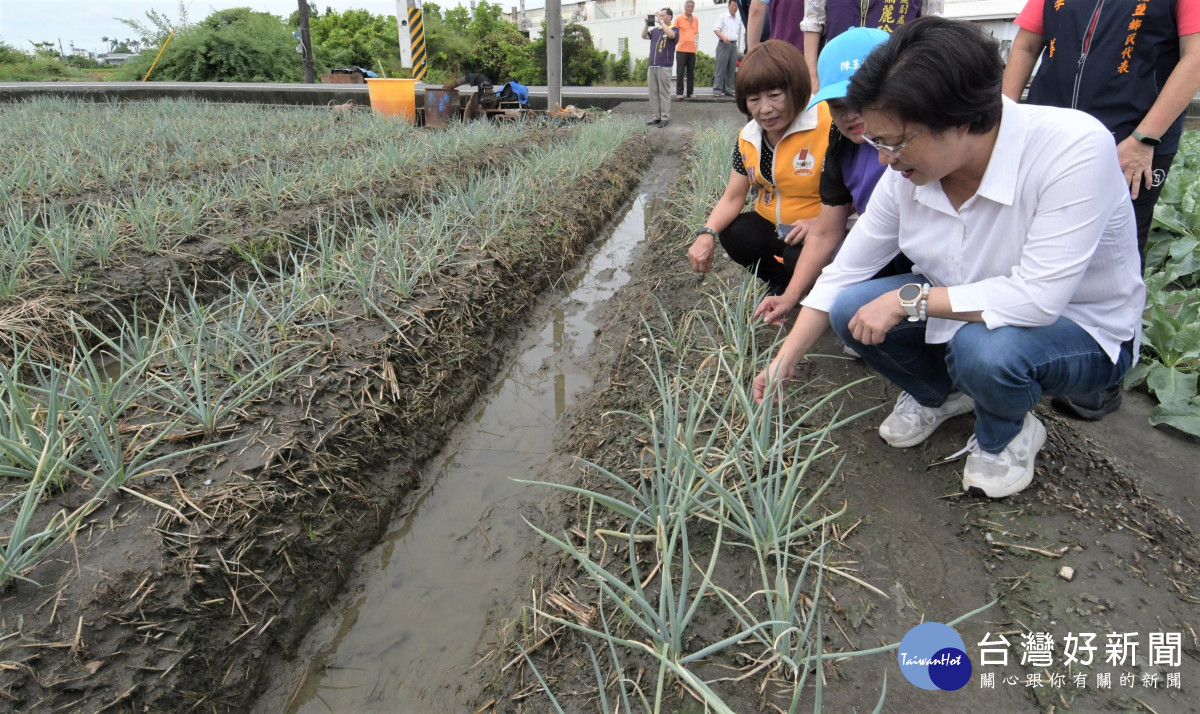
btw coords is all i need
(936, 72)
(668, 11)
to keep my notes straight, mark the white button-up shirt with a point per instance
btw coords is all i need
(1049, 233)
(731, 25)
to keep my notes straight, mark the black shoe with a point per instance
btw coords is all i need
(662, 124)
(1091, 407)
(654, 122)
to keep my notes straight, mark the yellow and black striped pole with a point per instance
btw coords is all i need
(412, 37)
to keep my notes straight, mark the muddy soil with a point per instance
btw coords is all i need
(177, 592)
(1116, 502)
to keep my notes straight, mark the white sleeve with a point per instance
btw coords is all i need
(814, 16)
(932, 7)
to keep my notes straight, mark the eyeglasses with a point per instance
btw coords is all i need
(892, 151)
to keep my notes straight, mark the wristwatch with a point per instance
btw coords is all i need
(707, 230)
(1147, 140)
(910, 298)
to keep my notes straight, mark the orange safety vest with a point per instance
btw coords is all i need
(794, 192)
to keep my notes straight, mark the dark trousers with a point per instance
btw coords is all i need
(753, 241)
(685, 63)
(1143, 205)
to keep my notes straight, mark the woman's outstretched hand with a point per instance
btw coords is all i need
(778, 372)
(773, 308)
(701, 253)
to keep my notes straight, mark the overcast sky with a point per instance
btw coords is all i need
(84, 22)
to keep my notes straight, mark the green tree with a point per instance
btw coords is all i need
(235, 45)
(501, 51)
(488, 20)
(582, 63)
(446, 44)
(157, 27)
(44, 64)
(456, 42)
(356, 38)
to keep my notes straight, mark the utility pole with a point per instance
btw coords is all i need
(306, 41)
(554, 27)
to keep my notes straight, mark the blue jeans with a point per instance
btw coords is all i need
(1005, 370)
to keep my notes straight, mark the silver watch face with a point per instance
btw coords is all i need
(910, 292)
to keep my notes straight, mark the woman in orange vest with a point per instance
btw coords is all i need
(779, 154)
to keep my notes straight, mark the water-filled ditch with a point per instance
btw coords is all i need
(421, 604)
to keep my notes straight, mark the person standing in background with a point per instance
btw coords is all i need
(826, 19)
(662, 56)
(729, 33)
(687, 26)
(1135, 66)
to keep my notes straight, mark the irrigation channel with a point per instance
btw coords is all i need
(421, 603)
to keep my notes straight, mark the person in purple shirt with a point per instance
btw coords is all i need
(848, 176)
(776, 20)
(663, 39)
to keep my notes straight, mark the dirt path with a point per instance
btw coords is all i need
(1114, 501)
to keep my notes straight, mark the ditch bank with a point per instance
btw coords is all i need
(174, 599)
(419, 609)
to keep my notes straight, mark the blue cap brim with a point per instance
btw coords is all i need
(837, 90)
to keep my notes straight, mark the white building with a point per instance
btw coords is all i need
(617, 24)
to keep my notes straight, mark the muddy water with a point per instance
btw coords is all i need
(422, 602)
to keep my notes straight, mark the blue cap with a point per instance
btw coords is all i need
(841, 58)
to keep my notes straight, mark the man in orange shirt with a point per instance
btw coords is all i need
(688, 27)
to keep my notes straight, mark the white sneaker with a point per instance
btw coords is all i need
(910, 423)
(1011, 470)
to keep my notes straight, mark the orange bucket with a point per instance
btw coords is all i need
(394, 97)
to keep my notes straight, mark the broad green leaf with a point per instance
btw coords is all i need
(1156, 284)
(1186, 265)
(1158, 247)
(1161, 329)
(1187, 343)
(1184, 416)
(1137, 374)
(1183, 247)
(1170, 385)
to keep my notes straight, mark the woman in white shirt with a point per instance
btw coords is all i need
(1026, 278)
